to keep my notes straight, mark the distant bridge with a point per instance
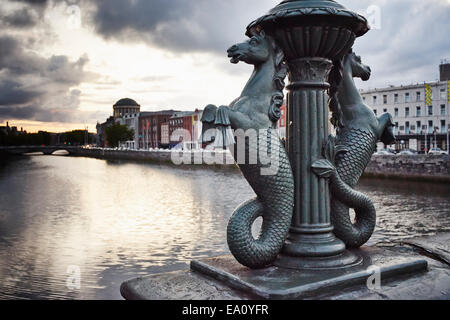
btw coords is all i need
(47, 150)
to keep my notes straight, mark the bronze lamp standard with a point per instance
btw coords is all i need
(312, 34)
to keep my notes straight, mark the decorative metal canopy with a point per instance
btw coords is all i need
(291, 13)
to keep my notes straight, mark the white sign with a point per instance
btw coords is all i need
(413, 144)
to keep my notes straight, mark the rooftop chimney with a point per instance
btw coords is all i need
(444, 70)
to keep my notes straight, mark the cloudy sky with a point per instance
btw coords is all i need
(63, 63)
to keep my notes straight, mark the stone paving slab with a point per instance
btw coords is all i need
(187, 285)
(431, 285)
(178, 285)
(438, 245)
(283, 284)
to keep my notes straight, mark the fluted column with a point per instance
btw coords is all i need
(307, 117)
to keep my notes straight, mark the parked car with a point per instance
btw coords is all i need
(385, 152)
(407, 152)
(437, 151)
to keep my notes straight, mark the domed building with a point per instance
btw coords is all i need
(125, 106)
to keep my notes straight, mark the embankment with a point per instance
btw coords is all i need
(435, 168)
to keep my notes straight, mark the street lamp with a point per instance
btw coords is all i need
(312, 34)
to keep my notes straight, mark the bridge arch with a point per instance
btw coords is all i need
(46, 150)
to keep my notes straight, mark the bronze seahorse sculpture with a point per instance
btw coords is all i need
(257, 111)
(349, 153)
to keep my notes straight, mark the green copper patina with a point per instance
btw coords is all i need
(349, 153)
(256, 113)
(311, 40)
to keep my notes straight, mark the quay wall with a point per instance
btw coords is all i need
(435, 168)
(164, 156)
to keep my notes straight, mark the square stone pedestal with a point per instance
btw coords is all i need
(283, 283)
(402, 268)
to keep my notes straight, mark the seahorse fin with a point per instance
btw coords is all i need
(331, 149)
(323, 168)
(209, 114)
(224, 134)
(209, 128)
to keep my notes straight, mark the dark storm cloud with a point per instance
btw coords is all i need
(178, 25)
(14, 60)
(26, 17)
(37, 88)
(17, 62)
(22, 18)
(33, 2)
(410, 43)
(17, 112)
(13, 93)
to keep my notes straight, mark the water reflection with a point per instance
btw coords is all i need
(117, 220)
(406, 209)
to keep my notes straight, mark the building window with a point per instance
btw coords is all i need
(443, 126)
(430, 110)
(396, 98)
(406, 112)
(396, 112)
(443, 95)
(407, 97)
(430, 126)
(375, 111)
(396, 128)
(418, 96)
(384, 99)
(407, 131)
(442, 109)
(384, 110)
(418, 125)
(374, 100)
(418, 111)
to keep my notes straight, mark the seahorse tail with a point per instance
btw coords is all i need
(274, 203)
(344, 197)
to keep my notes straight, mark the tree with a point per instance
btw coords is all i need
(118, 133)
(77, 137)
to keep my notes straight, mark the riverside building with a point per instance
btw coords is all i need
(121, 109)
(420, 111)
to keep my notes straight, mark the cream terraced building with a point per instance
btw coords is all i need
(418, 125)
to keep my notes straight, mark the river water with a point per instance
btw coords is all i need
(103, 222)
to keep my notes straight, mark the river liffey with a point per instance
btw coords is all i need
(65, 219)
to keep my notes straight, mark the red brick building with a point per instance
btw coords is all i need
(191, 127)
(150, 133)
(282, 122)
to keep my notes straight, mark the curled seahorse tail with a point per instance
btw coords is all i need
(355, 234)
(274, 203)
(248, 251)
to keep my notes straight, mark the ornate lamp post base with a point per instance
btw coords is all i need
(344, 260)
(285, 283)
